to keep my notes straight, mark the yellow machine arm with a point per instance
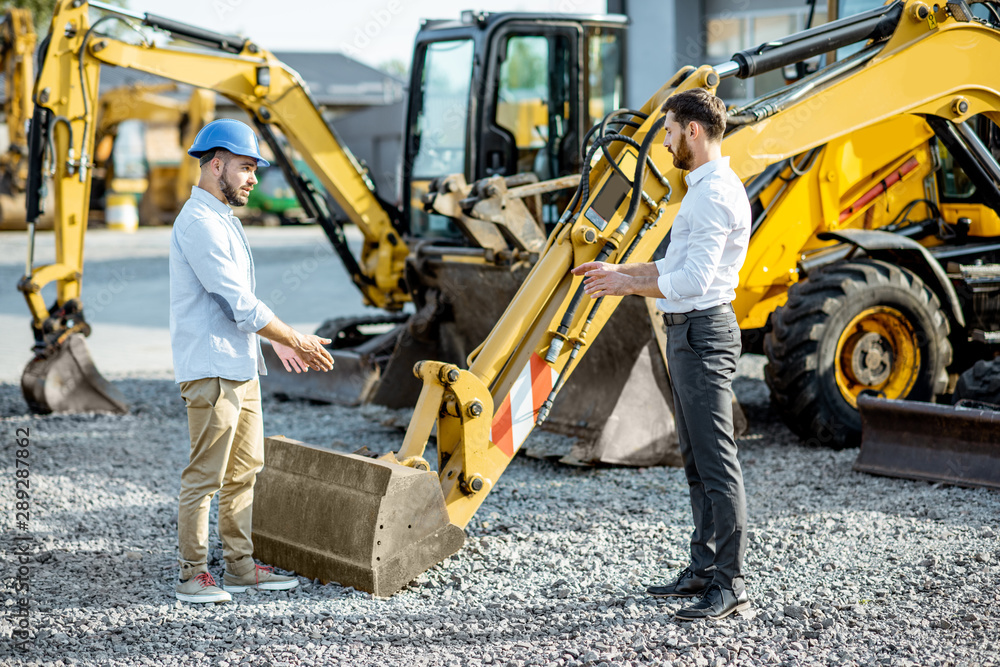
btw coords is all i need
(484, 414)
(17, 49)
(17, 53)
(272, 94)
(152, 104)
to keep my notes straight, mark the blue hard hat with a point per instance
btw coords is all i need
(235, 136)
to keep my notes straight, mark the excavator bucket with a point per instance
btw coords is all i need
(952, 444)
(361, 348)
(397, 525)
(67, 381)
(353, 376)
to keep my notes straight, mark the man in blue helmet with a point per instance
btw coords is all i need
(215, 324)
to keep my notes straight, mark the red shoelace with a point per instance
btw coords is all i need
(205, 579)
(257, 568)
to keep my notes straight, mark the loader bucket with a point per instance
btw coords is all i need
(67, 381)
(952, 444)
(360, 522)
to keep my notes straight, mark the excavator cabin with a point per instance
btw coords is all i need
(505, 94)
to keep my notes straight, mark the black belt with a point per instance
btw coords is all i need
(680, 318)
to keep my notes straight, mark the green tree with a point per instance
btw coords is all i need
(41, 11)
(396, 68)
(526, 66)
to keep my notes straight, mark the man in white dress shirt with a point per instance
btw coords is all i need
(695, 284)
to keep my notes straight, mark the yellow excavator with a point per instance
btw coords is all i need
(62, 376)
(875, 189)
(459, 271)
(17, 57)
(166, 187)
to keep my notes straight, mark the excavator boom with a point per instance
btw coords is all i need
(64, 126)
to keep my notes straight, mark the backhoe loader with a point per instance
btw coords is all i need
(459, 272)
(875, 192)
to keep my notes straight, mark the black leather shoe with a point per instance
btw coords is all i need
(716, 603)
(688, 585)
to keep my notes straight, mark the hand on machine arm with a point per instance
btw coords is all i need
(603, 279)
(298, 352)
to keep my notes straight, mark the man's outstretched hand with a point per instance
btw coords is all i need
(603, 279)
(307, 353)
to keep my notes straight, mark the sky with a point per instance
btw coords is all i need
(372, 31)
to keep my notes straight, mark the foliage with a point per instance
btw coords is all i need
(396, 68)
(41, 10)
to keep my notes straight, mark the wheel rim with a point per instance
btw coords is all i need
(877, 351)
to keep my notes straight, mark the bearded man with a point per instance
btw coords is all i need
(694, 285)
(215, 324)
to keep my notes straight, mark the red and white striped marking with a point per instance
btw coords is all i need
(516, 415)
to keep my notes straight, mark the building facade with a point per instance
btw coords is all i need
(665, 35)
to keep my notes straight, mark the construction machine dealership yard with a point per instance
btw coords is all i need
(870, 292)
(843, 567)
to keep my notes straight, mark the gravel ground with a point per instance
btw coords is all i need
(842, 568)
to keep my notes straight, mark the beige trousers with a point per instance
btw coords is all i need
(227, 452)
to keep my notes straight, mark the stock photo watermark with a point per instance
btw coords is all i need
(19, 604)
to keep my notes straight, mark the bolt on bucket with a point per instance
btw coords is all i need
(66, 381)
(366, 523)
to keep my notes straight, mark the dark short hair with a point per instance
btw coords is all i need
(213, 153)
(700, 106)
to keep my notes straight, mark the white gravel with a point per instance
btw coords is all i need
(843, 568)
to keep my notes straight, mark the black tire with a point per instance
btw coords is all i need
(810, 372)
(980, 383)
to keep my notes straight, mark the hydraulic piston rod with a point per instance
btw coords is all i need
(876, 24)
(231, 43)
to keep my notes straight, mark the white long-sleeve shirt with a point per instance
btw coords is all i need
(708, 241)
(214, 314)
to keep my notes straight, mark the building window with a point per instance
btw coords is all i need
(729, 32)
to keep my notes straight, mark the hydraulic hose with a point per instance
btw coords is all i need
(640, 169)
(612, 118)
(555, 347)
(546, 407)
(600, 128)
(571, 212)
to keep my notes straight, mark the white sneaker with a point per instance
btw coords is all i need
(201, 588)
(260, 577)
